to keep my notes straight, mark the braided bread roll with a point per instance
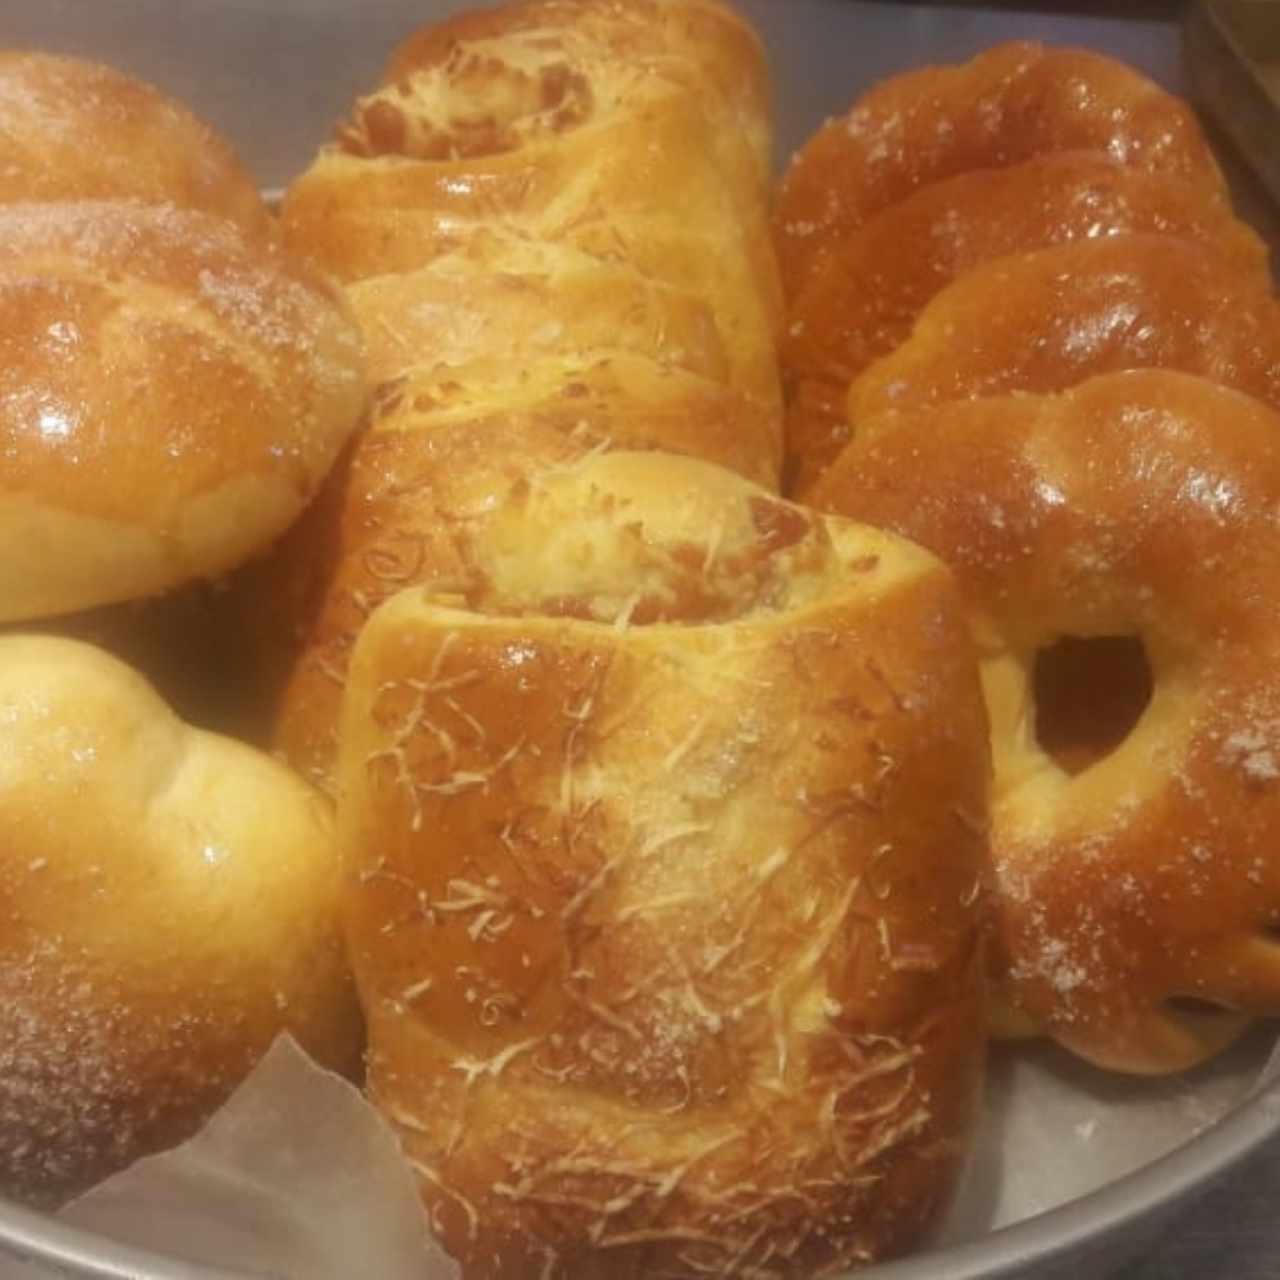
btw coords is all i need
(665, 825)
(878, 278)
(1138, 891)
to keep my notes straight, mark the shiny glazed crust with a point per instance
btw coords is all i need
(875, 282)
(1140, 504)
(171, 903)
(1045, 321)
(666, 839)
(212, 378)
(1015, 101)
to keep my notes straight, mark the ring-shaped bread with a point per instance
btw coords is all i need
(876, 280)
(1142, 892)
(1014, 101)
(1044, 321)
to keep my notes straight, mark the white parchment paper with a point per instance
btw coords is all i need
(297, 1178)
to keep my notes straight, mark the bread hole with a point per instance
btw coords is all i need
(1089, 693)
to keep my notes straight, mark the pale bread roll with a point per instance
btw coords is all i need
(170, 900)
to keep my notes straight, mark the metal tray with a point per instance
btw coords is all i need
(275, 74)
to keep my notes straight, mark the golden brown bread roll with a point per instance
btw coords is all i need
(666, 832)
(77, 130)
(170, 900)
(532, 289)
(1017, 100)
(705, 44)
(1044, 321)
(441, 453)
(605, 128)
(1138, 897)
(171, 395)
(875, 281)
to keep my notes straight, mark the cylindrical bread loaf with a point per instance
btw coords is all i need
(665, 840)
(171, 396)
(540, 216)
(171, 904)
(594, 125)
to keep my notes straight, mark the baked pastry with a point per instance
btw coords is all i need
(635, 133)
(665, 822)
(171, 903)
(1015, 101)
(877, 279)
(1047, 320)
(212, 377)
(551, 221)
(77, 130)
(1137, 890)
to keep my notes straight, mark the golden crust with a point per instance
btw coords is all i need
(159, 931)
(210, 377)
(667, 852)
(1137, 504)
(875, 281)
(1015, 101)
(1044, 321)
(77, 130)
(530, 119)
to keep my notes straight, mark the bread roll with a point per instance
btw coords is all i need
(1138, 895)
(171, 395)
(551, 221)
(1013, 101)
(666, 835)
(615, 130)
(1045, 321)
(77, 130)
(170, 900)
(875, 281)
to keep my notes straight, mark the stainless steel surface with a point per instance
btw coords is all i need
(275, 74)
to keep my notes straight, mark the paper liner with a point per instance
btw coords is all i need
(297, 1177)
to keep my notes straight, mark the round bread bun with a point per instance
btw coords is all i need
(1138, 889)
(77, 130)
(667, 829)
(170, 900)
(1014, 101)
(171, 395)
